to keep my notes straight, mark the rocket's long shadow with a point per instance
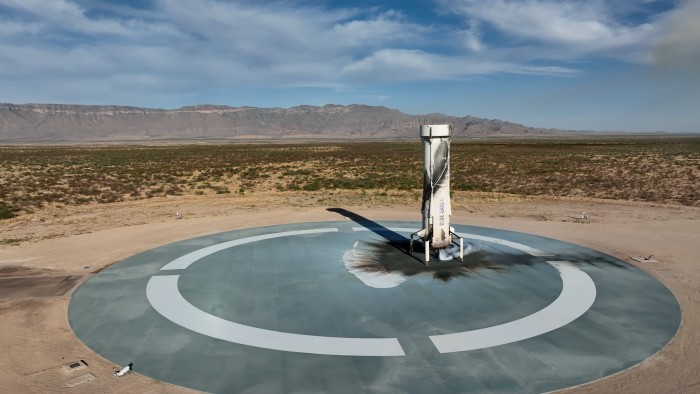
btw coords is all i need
(393, 255)
(393, 238)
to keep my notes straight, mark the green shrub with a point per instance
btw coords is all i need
(6, 212)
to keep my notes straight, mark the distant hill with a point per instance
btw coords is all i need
(30, 123)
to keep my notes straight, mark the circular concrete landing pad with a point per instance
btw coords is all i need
(343, 307)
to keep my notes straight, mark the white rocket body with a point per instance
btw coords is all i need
(437, 208)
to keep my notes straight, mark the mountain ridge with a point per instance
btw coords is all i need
(28, 123)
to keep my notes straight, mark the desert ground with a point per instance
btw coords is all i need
(52, 246)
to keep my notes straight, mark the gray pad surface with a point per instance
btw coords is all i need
(337, 307)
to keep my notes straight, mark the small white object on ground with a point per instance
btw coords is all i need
(177, 215)
(122, 371)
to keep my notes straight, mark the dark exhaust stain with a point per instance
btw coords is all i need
(387, 258)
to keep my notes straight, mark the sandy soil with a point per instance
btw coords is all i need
(75, 242)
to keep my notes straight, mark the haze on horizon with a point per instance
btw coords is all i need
(631, 65)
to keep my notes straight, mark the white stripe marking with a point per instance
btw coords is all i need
(577, 295)
(185, 261)
(165, 297)
(518, 246)
(395, 229)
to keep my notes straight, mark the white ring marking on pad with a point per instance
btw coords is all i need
(518, 246)
(577, 296)
(165, 297)
(183, 262)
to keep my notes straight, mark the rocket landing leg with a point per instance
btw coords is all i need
(427, 252)
(426, 243)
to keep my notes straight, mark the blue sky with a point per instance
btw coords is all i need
(597, 65)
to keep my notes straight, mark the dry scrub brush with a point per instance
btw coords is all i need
(663, 170)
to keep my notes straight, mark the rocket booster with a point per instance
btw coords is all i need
(436, 208)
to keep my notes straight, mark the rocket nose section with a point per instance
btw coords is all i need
(436, 130)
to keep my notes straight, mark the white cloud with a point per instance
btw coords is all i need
(399, 65)
(14, 29)
(265, 35)
(200, 44)
(59, 48)
(574, 28)
(62, 13)
(470, 38)
(568, 22)
(195, 45)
